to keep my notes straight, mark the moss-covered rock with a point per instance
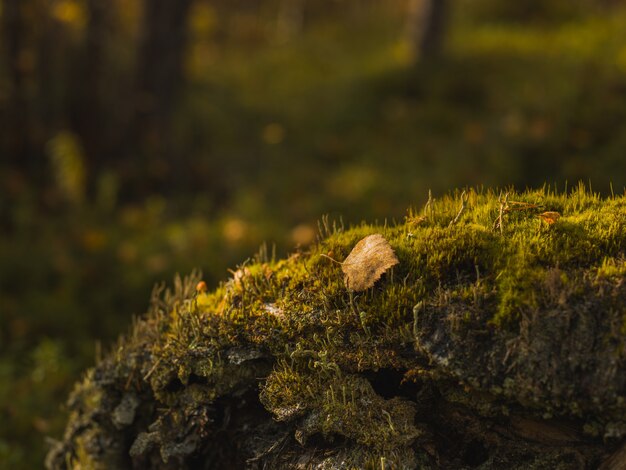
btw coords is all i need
(496, 342)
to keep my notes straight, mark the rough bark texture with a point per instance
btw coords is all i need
(496, 342)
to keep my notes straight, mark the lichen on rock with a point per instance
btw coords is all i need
(497, 341)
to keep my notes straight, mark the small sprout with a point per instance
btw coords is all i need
(464, 199)
(417, 309)
(549, 217)
(239, 276)
(363, 318)
(367, 261)
(387, 415)
(202, 299)
(428, 208)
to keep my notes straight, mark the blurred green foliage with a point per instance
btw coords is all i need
(269, 131)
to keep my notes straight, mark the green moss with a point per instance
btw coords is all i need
(490, 308)
(340, 405)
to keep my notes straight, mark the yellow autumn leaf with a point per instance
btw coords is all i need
(367, 262)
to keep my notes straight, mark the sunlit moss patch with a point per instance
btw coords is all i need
(498, 324)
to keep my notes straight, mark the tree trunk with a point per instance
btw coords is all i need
(290, 19)
(16, 117)
(427, 20)
(89, 113)
(31, 48)
(159, 77)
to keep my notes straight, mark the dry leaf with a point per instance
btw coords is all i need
(549, 217)
(367, 261)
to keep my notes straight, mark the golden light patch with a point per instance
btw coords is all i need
(303, 235)
(234, 230)
(273, 134)
(70, 12)
(367, 261)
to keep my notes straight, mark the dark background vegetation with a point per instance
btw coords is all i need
(140, 138)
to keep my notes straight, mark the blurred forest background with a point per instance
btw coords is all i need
(140, 138)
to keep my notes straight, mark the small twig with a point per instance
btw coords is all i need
(464, 199)
(504, 206)
(520, 206)
(156, 364)
(332, 259)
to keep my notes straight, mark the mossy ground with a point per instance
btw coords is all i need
(496, 342)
